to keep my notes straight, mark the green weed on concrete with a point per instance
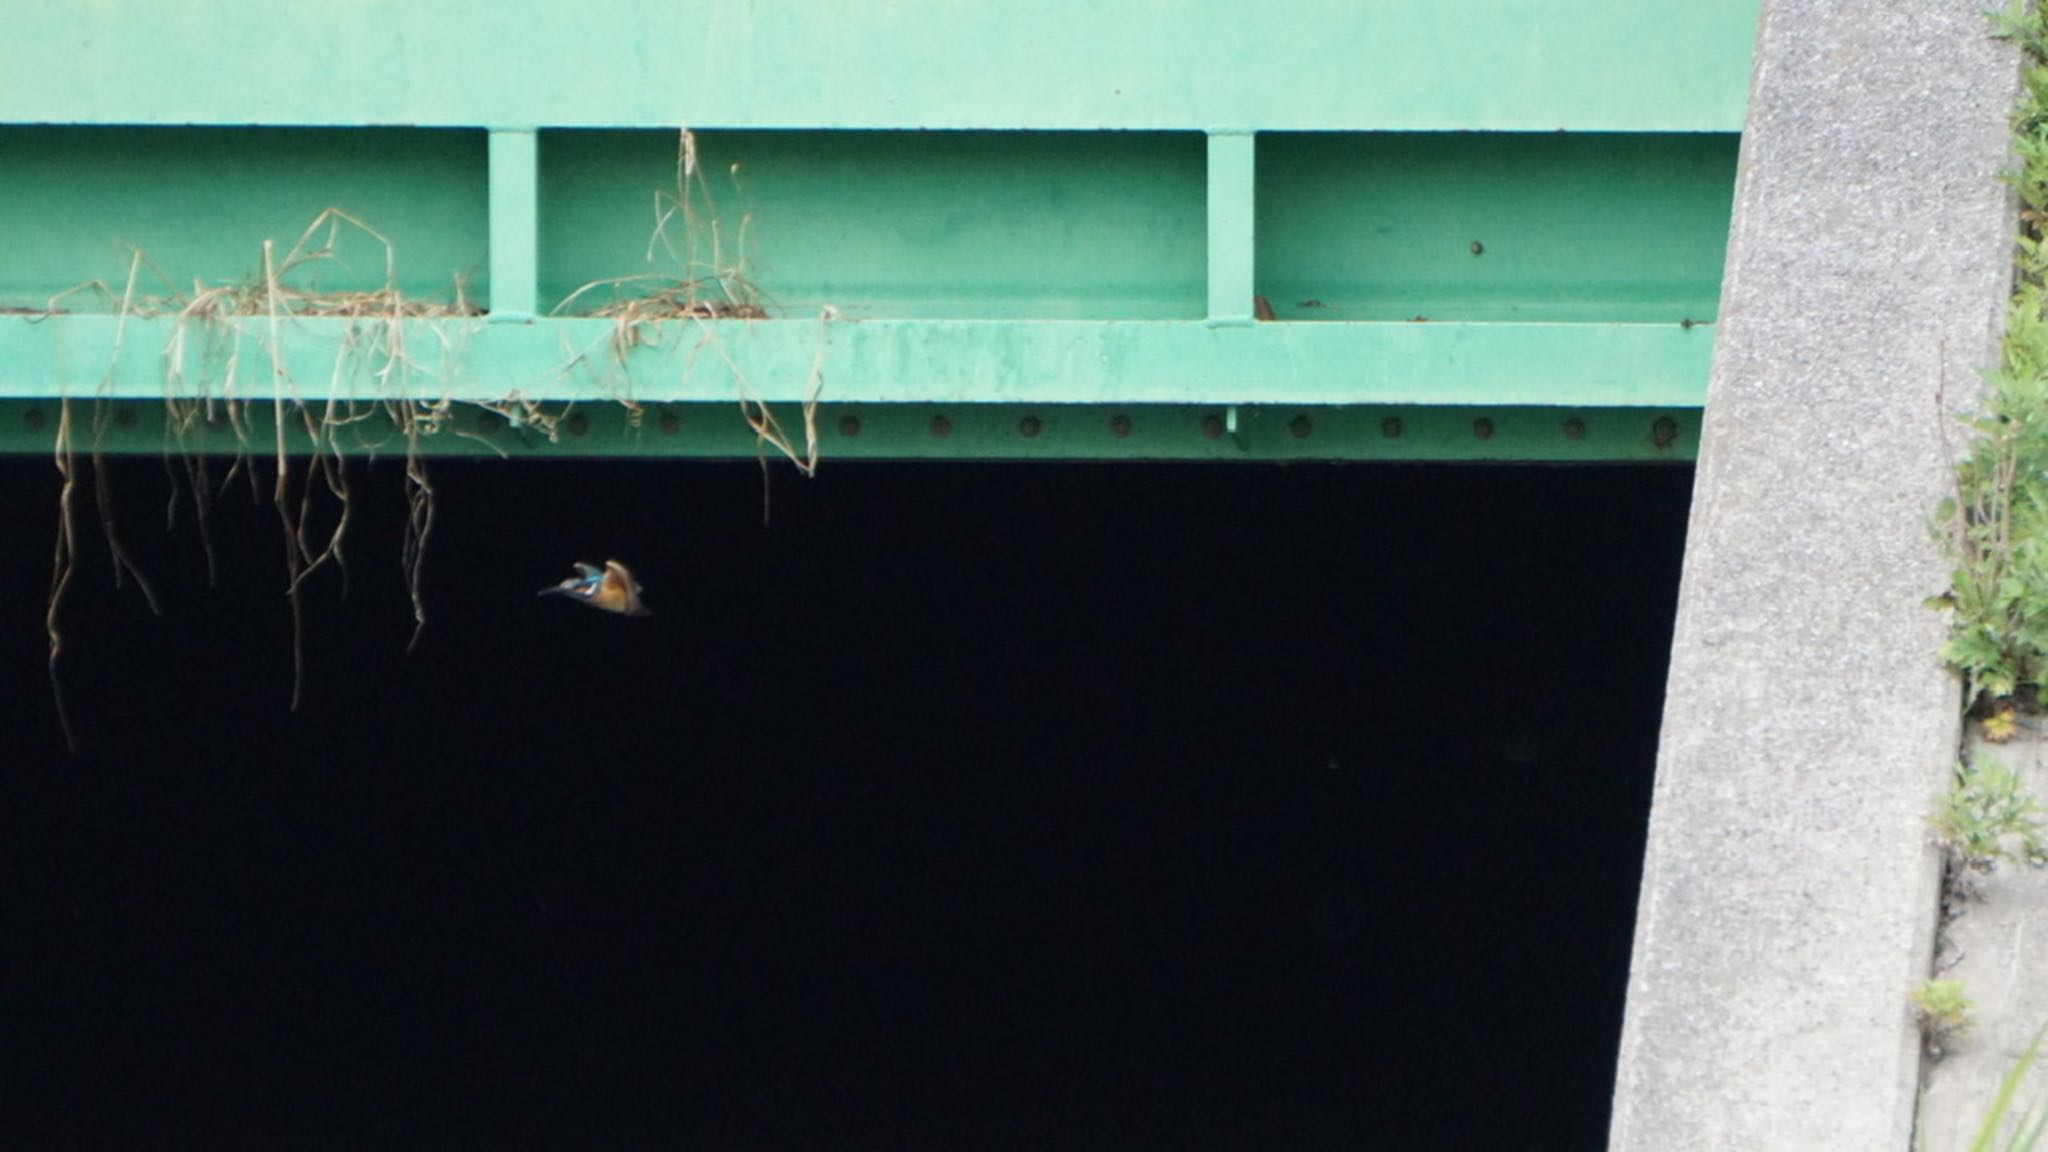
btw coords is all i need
(1943, 1011)
(1995, 524)
(1987, 816)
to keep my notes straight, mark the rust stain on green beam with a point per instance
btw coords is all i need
(878, 361)
(1527, 65)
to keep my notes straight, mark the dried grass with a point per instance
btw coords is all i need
(707, 288)
(226, 348)
(214, 328)
(65, 558)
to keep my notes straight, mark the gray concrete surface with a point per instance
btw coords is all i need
(1789, 891)
(1998, 948)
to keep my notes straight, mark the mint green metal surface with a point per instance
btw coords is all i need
(1233, 242)
(1466, 226)
(515, 223)
(530, 170)
(926, 431)
(1098, 225)
(876, 361)
(933, 225)
(200, 202)
(1526, 65)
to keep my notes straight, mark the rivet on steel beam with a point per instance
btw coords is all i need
(1299, 427)
(33, 419)
(670, 424)
(1119, 426)
(941, 427)
(489, 423)
(1478, 248)
(1391, 427)
(849, 425)
(579, 424)
(1575, 429)
(1212, 427)
(1029, 427)
(1664, 432)
(1483, 428)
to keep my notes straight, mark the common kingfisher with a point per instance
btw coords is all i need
(611, 588)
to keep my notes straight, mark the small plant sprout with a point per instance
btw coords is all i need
(1986, 816)
(1943, 1013)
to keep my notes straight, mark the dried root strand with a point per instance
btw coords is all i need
(103, 491)
(419, 528)
(280, 497)
(62, 565)
(201, 487)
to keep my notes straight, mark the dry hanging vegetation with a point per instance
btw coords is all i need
(226, 351)
(705, 286)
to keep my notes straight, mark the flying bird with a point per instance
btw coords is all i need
(611, 588)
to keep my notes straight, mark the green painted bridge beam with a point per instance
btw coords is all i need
(515, 224)
(1435, 214)
(1233, 172)
(897, 432)
(869, 361)
(1299, 65)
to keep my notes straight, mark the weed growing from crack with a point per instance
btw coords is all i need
(1994, 525)
(1986, 817)
(1944, 1014)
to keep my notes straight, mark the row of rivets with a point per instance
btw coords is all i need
(1663, 433)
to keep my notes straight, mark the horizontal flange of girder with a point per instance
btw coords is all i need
(854, 431)
(473, 359)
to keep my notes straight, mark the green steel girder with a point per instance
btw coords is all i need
(1511, 212)
(871, 361)
(1295, 65)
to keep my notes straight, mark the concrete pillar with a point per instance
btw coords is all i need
(1789, 892)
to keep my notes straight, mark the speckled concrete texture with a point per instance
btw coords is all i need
(1789, 891)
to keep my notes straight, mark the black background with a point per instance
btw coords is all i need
(1161, 806)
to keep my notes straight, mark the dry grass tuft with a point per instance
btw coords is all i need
(706, 288)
